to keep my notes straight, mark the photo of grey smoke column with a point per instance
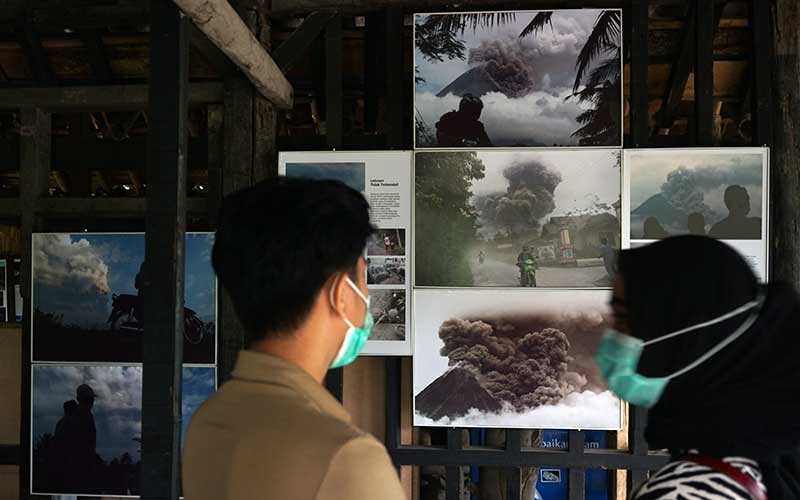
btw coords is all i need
(517, 219)
(525, 78)
(521, 358)
(709, 193)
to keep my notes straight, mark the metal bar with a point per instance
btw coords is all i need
(761, 71)
(591, 459)
(333, 82)
(294, 47)
(393, 382)
(97, 97)
(704, 73)
(577, 474)
(36, 131)
(165, 233)
(640, 116)
(395, 78)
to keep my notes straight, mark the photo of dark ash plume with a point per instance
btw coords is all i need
(507, 64)
(530, 360)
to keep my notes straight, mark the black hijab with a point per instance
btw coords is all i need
(745, 401)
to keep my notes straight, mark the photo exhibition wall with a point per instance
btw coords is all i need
(507, 258)
(86, 345)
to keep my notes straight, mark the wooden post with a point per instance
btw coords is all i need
(394, 78)
(786, 143)
(704, 73)
(639, 103)
(334, 99)
(34, 180)
(165, 235)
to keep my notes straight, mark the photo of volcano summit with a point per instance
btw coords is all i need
(525, 78)
(511, 359)
(709, 193)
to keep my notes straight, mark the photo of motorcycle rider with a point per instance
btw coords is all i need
(527, 264)
(463, 128)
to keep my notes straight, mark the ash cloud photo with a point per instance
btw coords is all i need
(86, 426)
(709, 193)
(525, 78)
(518, 359)
(517, 219)
(88, 302)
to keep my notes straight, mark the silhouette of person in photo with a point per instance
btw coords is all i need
(609, 256)
(737, 225)
(697, 224)
(76, 443)
(653, 230)
(463, 128)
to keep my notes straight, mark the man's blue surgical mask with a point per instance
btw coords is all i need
(619, 354)
(355, 338)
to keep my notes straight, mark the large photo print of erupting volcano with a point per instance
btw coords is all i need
(526, 78)
(517, 219)
(88, 298)
(520, 359)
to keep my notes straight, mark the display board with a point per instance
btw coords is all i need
(87, 344)
(518, 78)
(384, 177)
(516, 218)
(721, 193)
(87, 298)
(511, 359)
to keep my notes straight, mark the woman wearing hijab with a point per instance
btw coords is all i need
(715, 356)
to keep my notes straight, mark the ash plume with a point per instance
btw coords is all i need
(507, 64)
(527, 371)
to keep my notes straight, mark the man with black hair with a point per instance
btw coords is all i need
(289, 253)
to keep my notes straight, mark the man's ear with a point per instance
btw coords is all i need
(336, 294)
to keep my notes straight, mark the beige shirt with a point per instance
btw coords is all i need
(273, 432)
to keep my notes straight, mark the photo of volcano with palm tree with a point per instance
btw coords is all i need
(524, 78)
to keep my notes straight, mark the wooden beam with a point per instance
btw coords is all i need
(640, 114)
(223, 26)
(165, 237)
(394, 78)
(704, 73)
(37, 59)
(216, 154)
(208, 51)
(98, 59)
(783, 137)
(334, 98)
(34, 172)
(682, 68)
(361, 7)
(301, 39)
(374, 69)
(106, 206)
(94, 98)
(761, 68)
